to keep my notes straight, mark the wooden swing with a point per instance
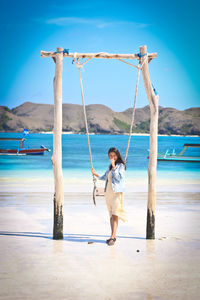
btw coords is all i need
(98, 191)
(152, 97)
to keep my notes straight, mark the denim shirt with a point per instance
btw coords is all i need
(117, 178)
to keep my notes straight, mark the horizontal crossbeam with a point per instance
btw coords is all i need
(98, 55)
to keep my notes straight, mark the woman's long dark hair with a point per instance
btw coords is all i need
(119, 158)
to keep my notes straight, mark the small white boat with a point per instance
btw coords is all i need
(172, 156)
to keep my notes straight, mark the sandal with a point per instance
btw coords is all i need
(111, 242)
(107, 241)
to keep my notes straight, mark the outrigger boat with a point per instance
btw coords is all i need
(21, 150)
(179, 157)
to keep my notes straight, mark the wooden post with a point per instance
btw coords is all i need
(153, 102)
(57, 148)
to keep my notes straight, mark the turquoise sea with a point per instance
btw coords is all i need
(76, 161)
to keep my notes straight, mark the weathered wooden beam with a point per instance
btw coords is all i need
(57, 148)
(97, 55)
(153, 102)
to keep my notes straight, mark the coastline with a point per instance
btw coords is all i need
(92, 133)
(132, 134)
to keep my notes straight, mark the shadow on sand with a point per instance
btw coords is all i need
(72, 237)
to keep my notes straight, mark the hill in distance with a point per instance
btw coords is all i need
(101, 119)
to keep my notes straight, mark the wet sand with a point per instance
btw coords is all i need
(34, 266)
(85, 185)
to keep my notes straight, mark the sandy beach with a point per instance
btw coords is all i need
(34, 266)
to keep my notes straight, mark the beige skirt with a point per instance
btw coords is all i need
(114, 201)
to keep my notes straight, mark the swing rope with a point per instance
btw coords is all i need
(134, 105)
(79, 66)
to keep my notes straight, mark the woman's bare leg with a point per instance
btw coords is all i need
(111, 225)
(114, 226)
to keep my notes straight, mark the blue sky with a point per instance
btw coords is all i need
(166, 27)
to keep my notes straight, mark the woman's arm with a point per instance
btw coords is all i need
(118, 172)
(103, 177)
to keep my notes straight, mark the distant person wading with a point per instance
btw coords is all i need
(114, 188)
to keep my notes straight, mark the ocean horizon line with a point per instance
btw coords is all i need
(92, 133)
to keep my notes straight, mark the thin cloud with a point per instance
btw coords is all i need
(65, 21)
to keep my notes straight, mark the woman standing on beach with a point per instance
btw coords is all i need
(114, 188)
